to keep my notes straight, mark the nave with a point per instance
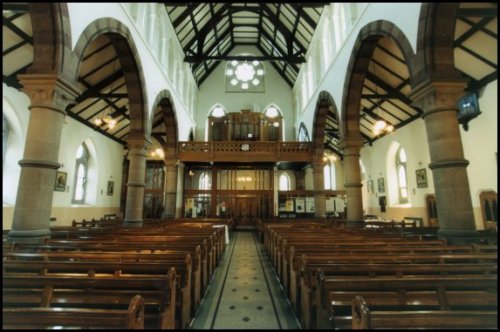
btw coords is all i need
(245, 292)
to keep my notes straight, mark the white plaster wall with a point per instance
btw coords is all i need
(15, 108)
(481, 148)
(212, 92)
(106, 164)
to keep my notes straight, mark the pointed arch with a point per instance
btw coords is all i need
(51, 38)
(121, 38)
(434, 58)
(325, 107)
(357, 68)
(164, 101)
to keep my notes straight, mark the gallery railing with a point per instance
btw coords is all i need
(245, 151)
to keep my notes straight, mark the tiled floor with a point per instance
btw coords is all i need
(245, 292)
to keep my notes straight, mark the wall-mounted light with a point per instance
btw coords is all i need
(158, 153)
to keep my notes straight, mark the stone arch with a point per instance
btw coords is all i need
(164, 100)
(324, 103)
(129, 58)
(362, 53)
(51, 38)
(434, 59)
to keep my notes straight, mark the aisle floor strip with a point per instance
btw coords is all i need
(245, 292)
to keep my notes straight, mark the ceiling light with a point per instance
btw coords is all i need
(255, 63)
(229, 72)
(255, 82)
(234, 81)
(234, 63)
(244, 86)
(260, 72)
(107, 119)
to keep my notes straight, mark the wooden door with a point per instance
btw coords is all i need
(246, 211)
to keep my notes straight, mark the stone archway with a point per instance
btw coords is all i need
(352, 140)
(138, 138)
(163, 100)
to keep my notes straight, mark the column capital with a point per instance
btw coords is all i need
(351, 142)
(170, 164)
(49, 91)
(139, 142)
(432, 96)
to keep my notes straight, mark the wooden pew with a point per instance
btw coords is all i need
(310, 295)
(109, 263)
(159, 294)
(199, 262)
(363, 318)
(403, 293)
(51, 318)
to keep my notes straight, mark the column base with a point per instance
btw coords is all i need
(132, 223)
(459, 237)
(31, 236)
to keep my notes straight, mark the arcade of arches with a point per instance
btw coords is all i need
(250, 112)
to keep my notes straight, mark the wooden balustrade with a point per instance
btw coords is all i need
(245, 151)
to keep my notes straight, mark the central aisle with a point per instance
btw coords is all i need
(245, 292)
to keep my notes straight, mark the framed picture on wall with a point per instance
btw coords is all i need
(381, 185)
(421, 178)
(60, 184)
(369, 186)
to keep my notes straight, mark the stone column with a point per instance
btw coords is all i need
(454, 206)
(180, 191)
(275, 184)
(319, 189)
(308, 178)
(49, 95)
(136, 177)
(352, 181)
(170, 188)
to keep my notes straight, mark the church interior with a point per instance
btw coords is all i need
(301, 165)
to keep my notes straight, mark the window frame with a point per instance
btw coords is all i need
(83, 160)
(402, 164)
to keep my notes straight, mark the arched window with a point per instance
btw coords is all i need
(401, 175)
(273, 119)
(81, 171)
(303, 134)
(204, 181)
(327, 177)
(284, 182)
(362, 169)
(217, 124)
(5, 136)
(333, 178)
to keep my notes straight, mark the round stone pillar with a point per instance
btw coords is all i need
(319, 189)
(438, 101)
(352, 181)
(170, 189)
(136, 177)
(49, 95)
(179, 202)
